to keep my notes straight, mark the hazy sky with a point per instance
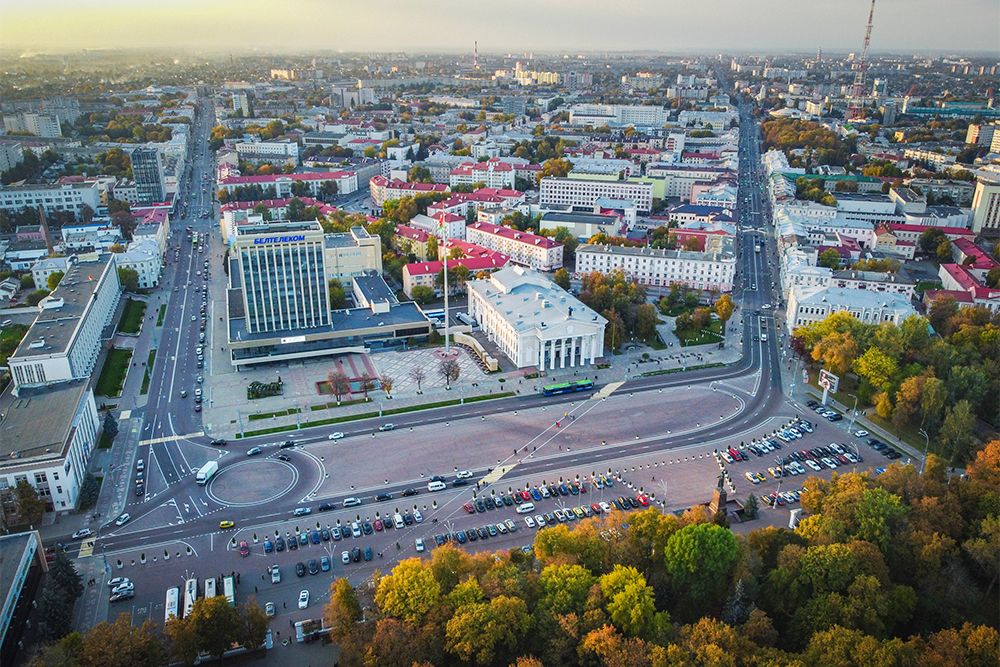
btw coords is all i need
(501, 26)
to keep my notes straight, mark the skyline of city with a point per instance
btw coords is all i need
(584, 27)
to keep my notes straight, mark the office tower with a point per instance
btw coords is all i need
(147, 171)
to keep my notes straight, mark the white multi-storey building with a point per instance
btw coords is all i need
(64, 342)
(812, 304)
(492, 172)
(582, 194)
(538, 252)
(284, 151)
(600, 115)
(660, 268)
(70, 197)
(534, 322)
(383, 189)
(346, 182)
(986, 206)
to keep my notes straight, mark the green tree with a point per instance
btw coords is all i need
(184, 641)
(646, 320)
(53, 279)
(879, 516)
(875, 366)
(561, 278)
(409, 592)
(338, 296)
(263, 211)
(432, 249)
(295, 209)
(630, 601)
(343, 611)
(121, 644)
(957, 430)
(65, 577)
(110, 425)
(422, 294)
(216, 624)
(751, 506)
(477, 631)
(943, 252)
(698, 558)
(564, 588)
(420, 174)
(35, 297)
(30, 507)
(254, 624)
(724, 308)
(129, 278)
(829, 258)
(55, 615)
(27, 282)
(614, 332)
(930, 239)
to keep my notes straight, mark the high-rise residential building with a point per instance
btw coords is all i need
(282, 276)
(986, 207)
(981, 135)
(147, 171)
(514, 105)
(38, 124)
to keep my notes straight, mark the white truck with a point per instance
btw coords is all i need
(206, 472)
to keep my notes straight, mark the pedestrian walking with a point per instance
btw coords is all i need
(284, 605)
(254, 589)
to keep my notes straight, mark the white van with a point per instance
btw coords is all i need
(437, 486)
(524, 508)
(397, 521)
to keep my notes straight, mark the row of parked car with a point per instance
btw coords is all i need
(887, 451)
(824, 411)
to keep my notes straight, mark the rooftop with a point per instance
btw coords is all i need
(515, 235)
(652, 252)
(38, 423)
(61, 312)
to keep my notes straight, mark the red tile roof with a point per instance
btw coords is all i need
(513, 234)
(472, 263)
(317, 176)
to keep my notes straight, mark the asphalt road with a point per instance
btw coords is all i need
(260, 493)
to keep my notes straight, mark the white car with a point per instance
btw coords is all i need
(420, 544)
(529, 522)
(812, 464)
(417, 516)
(303, 599)
(463, 474)
(118, 581)
(540, 520)
(345, 557)
(123, 519)
(335, 436)
(860, 433)
(269, 609)
(125, 587)
(82, 533)
(605, 507)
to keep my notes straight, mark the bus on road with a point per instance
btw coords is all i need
(170, 608)
(567, 387)
(229, 589)
(190, 595)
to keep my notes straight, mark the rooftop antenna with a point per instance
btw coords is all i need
(475, 60)
(855, 108)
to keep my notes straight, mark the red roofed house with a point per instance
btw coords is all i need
(912, 233)
(410, 240)
(383, 189)
(967, 280)
(346, 181)
(425, 273)
(460, 203)
(967, 253)
(492, 172)
(538, 252)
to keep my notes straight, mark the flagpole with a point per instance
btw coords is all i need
(444, 245)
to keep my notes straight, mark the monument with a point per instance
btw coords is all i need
(719, 495)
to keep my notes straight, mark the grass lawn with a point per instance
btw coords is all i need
(145, 376)
(132, 315)
(113, 374)
(710, 334)
(163, 311)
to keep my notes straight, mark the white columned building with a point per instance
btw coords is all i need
(535, 322)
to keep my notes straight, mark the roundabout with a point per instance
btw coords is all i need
(252, 483)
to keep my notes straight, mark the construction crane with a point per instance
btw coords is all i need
(856, 108)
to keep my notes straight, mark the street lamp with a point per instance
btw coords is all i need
(927, 444)
(854, 413)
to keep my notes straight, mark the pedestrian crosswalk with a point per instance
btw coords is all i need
(171, 438)
(496, 475)
(87, 547)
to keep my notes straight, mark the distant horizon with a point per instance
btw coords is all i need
(548, 26)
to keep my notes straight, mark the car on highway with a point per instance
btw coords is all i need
(303, 599)
(284, 457)
(325, 507)
(244, 549)
(123, 519)
(383, 496)
(352, 502)
(409, 492)
(218, 442)
(335, 436)
(387, 427)
(253, 452)
(226, 524)
(463, 474)
(82, 533)
(287, 443)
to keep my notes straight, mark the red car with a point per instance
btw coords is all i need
(378, 524)
(525, 496)
(596, 508)
(642, 500)
(244, 549)
(469, 508)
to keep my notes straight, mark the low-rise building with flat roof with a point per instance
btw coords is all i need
(807, 305)
(23, 565)
(661, 268)
(64, 342)
(534, 322)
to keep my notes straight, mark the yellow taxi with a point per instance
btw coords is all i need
(226, 524)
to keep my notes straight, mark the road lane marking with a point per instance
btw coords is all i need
(171, 438)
